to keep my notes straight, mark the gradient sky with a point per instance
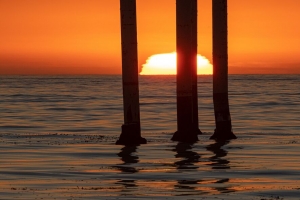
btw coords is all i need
(83, 36)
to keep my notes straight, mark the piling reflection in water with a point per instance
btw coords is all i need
(128, 158)
(218, 161)
(187, 164)
(191, 163)
(184, 150)
(126, 155)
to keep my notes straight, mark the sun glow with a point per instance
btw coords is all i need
(166, 64)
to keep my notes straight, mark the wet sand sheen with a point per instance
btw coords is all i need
(69, 166)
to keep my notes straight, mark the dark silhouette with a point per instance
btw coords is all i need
(131, 129)
(223, 129)
(186, 47)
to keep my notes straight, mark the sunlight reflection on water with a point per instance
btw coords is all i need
(93, 104)
(89, 166)
(58, 133)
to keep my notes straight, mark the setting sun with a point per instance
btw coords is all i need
(166, 64)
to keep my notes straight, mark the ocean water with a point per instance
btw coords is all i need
(57, 136)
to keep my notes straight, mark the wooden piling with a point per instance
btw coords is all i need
(223, 129)
(186, 86)
(131, 129)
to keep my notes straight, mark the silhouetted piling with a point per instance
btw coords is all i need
(223, 129)
(186, 47)
(131, 129)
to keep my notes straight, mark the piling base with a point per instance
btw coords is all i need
(223, 132)
(189, 136)
(131, 135)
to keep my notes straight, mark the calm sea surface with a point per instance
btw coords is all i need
(57, 136)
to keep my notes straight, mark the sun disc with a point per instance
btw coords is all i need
(165, 64)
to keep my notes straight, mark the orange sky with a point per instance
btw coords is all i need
(83, 36)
